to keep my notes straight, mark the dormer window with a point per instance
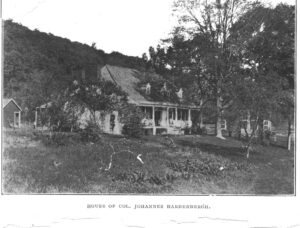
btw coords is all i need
(180, 93)
(164, 90)
(148, 88)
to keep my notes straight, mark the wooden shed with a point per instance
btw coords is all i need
(11, 113)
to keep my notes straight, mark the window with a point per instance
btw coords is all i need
(267, 125)
(183, 114)
(17, 117)
(112, 122)
(223, 125)
(172, 113)
(147, 111)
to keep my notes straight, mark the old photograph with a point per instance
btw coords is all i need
(176, 97)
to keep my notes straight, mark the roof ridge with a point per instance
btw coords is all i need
(129, 68)
(8, 101)
(111, 75)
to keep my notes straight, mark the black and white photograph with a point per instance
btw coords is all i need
(167, 98)
(149, 113)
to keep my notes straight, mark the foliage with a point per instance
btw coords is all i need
(237, 55)
(90, 133)
(99, 95)
(37, 65)
(200, 50)
(264, 41)
(158, 92)
(131, 118)
(75, 168)
(61, 114)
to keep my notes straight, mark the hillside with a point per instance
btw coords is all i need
(37, 64)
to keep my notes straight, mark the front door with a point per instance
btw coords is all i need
(112, 122)
(157, 118)
(17, 119)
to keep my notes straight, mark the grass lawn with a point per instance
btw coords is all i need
(149, 165)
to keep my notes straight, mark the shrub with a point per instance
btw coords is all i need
(131, 118)
(91, 133)
(199, 130)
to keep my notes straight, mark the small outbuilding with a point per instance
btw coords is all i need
(11, 113)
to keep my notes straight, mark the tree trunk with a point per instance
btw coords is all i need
(289, 135)
(260, 131)
(246, 133)
(219, 119)
(201, 120)
(201, 114)
(249, 145)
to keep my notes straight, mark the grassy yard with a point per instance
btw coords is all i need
(149, 165)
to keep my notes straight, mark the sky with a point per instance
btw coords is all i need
(126, 26)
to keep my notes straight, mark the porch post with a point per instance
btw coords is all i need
(167, 116)
(176, 114)
(248, 123)
(35, 122)
(153, 120)
(19, 119)
(189, 120)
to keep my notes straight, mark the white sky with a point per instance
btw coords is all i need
(126, 26)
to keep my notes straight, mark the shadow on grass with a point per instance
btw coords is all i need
(232, 152)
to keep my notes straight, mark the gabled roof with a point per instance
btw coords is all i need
(6, 101)
(128, 80)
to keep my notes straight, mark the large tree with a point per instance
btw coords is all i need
(208, 24)
(264, 41)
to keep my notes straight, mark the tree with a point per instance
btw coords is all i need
(264, 39)
(286, 108)
(32, 58)
(99, 95)
(254, 98)
(209, 23)
(61, 114)
(184, 60)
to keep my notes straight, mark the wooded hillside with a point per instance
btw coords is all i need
(37, 64)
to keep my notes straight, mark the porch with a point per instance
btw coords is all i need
(166, 120)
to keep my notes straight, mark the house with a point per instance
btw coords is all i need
(11, 113)
(160, 117)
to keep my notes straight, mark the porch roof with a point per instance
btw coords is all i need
(168, 105)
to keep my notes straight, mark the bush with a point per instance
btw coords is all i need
(268, 134)
(199, 130)
(133, 127)
(131, 118)
(91, 133)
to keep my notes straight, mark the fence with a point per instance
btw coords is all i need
(282, 140)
